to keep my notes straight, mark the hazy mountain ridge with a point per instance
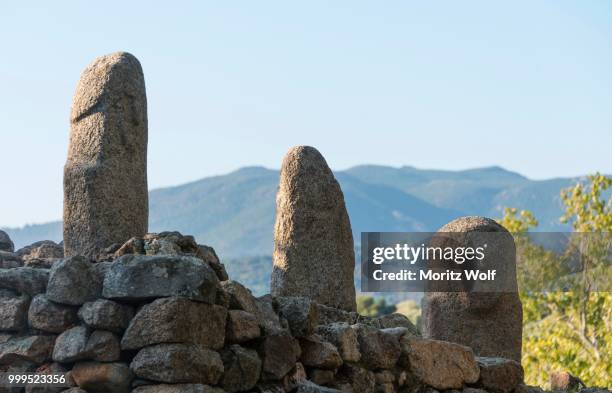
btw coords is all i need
(235, 212)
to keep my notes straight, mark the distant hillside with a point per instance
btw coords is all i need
(235, 212)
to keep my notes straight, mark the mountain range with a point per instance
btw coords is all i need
(234, 213)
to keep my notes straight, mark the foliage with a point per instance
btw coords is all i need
(371, 307)
(568, 330)
(410, 309)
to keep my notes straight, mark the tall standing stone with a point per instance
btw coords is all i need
(313, 242)
(486, 316)
(105, 176)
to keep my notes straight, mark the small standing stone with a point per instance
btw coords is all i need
(313, 242)
(485, 319)
(105, 176)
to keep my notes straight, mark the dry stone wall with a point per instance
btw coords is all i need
(159, 314)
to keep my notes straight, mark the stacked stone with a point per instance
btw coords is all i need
(40, 254)
(159, 314)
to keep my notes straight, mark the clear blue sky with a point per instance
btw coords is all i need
(450, 85)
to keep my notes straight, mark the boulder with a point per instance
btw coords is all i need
(71, 345)
(43, 255)
(310, 387)
(354, 378)
(97, 377)
(140, 277)
(293, 378)
(103, 346)
(379, 350)
(321, 377)
(440, 364)
(13, 310)
(313, 242)
(389, 321)
(25, 280)
(33, 349)
(178, 363)
(241, 298)
(269, 320)
(562, 380)
(178, 388)
(169, 320)
(51, 317)
(318, 353)
(106, 315)
(208, 254)
(279, 353)
(9, 260)
(499, 375)
(73, 281)
(50, 369)
(329, 315)
(344, 338)
(105, 176)
(241, 326)
(6, 244)
(301, 314)
(242, 369)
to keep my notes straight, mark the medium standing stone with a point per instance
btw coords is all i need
(485, 318)
(313, 242)
(105, 176)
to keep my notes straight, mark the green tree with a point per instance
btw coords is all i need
(371, 307)
(568, 330)
(411, 310)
